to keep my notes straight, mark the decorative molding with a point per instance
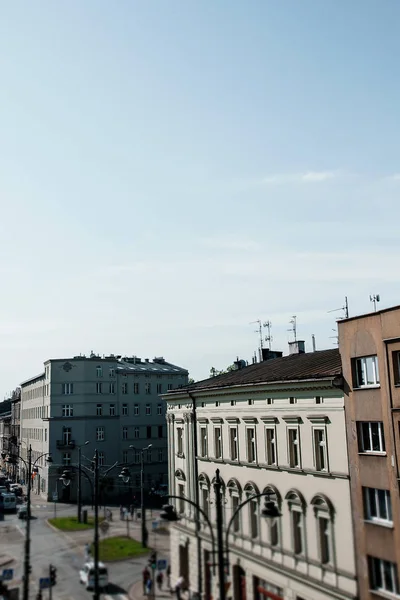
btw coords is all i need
(202, 419)
(232, 419)
(293, 419)
(269, 420)
(217, 419)
(318, 419)
(250, 419)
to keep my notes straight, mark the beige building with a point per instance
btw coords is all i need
(276, 426)
(370, 351)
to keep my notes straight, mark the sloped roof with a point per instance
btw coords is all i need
(310, 365)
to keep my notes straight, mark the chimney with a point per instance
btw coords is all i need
(268, 354)
(297, 347)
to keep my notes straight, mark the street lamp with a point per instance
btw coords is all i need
(79, 499)
(142, 507)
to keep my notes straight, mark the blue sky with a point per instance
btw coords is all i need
(171, 171)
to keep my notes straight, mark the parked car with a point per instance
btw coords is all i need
(86, 575)
(8, 502)
(16, 489)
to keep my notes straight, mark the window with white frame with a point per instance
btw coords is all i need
(159, 409)
(67, 410)
(148, 409)
(137, 456)
(99, 371)
(251, 444)
(218, 441)
(273, 524)
(253, 518)
(124, 456)
(112, 372)
(112, 387)
(125, 388)
(179, 440)
(324, 534)
(294, 447)
(203, 441)
(124, 433)
(99, 387)
(100, 434)
(112, 410)
(233, 443)
(377, 505)
(66, 459)
(136, 432)
(320, 450)
(99, 410)
(296, 507)
(370, 436)
(67, 436)
(101, 459)
(136, 410)
(169, 387)
(270, 445)
(235, 506)
(136, 388)
(181, 494)
(383, 576)
(205, 499)
(366, 371)
(147, 388)
(124, 410)
(67, 389)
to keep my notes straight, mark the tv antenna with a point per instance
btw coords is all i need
(375, 298)
(344, 308)
(335, 337)
(293, 328)
(268, 337)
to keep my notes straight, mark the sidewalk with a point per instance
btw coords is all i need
(136, 593)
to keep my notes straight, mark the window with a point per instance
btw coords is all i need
(67, 388)
(250, 402)
(233, 443)
(136, 432)
(66, 459)
(324, 526)
(274, 531)
(293, 448)
(112, 410)
(203, 441)
(159, 409)
(370, 436)
(292, 400)
(318, 400)
(125, 456)
(45, 435)
(147, 388)
(136, 409)
(99, 371)
(159, 388)
(67, 410)
(236, 520)
(270, 401)
(112, 387)
(148, 409)
(217, 442)
(136, 388)
(137, 456)
(270, 445)
(160, 431)
(100, 434)
(297, 530)
(99, 388)
(124, 433)
(264, 589)
(125, 388)
(149, 456)
(67, 436)
(112, 372)
(169, 387)
(101, 459)
(251, 444)
(160, 455)
(124, 410)
(204, 500)
(383, 575)
(366, 371)
(377, 505)
(253, 510)
(320, 456)
(99, 410)
(148, 432)
(181, 493)
(179, 440)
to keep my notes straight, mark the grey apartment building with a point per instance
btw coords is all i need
(112, 402)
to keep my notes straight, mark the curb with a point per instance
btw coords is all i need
(65, 535)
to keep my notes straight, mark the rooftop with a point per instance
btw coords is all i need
(322, 364)
(370, 314)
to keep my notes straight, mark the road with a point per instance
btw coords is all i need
(49, 546)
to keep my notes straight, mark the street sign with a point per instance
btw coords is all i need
(7, 574)
(55, 496)
(44, 582)
(162, 564)
(155, 524)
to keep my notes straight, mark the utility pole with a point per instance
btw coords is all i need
(142, 509)
(79, 486)
(27, 566)
(220, 539)
(96, 595)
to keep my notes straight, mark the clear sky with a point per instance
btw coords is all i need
(172, 170)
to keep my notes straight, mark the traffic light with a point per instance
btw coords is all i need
(53, 575)
(153, 560)
(169, 513)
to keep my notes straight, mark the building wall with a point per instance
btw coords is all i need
(373, 335)
(315, 493)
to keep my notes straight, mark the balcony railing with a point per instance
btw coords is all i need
(65, 444)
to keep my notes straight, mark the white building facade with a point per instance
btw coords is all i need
(276, 427)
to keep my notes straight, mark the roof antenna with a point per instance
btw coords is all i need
(375, 298)
(293, 327)
(268, 338)
(344, 308)
(314, 347)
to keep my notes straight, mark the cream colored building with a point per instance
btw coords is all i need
(275, 426)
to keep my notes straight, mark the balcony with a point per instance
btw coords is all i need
(65, 444)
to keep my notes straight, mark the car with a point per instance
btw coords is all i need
(86, 575)
(16, 489)
(8, 502)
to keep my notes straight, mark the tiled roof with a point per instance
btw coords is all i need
(310, 365)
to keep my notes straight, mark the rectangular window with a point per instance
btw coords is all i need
(204, 498)
(370, 436)
(66, 459)
(112, 410)
(100, 434)
(297, 528)
(270, 446)
(159, 388)
(137, 456)
(324, 539)
(67, 410)
(124, 433)
(293, 448)
(125, 456)
(160, 455)
(125, 388)
(112, 372)
(99, 371)
(147, 388)
(136, 432)
(203, 442)
(99, 388)
(292, 400)
(101, 459)
(169, 387)
(136, 409)
(160, 431)
(179, 440)
(366, 371)
(159, 409)
(99, 410)
(233, 442)
(251, 444)
(149, 457)
(320, 455)
(111, 388)
(136, 388)
(383, 575)
(148, 432)
(124, 410)
(377, 505)
(236, 520)
(148, 409)
(253, 509)
(67, 389)
(67, 436)
(218, 442)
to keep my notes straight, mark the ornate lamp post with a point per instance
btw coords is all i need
(142, 507)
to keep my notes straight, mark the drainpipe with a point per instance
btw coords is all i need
(197, 499)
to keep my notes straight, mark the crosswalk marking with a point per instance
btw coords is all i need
(115, 597)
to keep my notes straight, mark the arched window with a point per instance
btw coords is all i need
(324, 513)
(180, 475)
(235, 491)
(274, 524)
(297, 507)
(254, 509)
(204, 484)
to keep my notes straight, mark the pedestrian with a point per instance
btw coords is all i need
(149, 585)
(145, 578)
(87, 551)
(160, 579)
(169, 577)
(179, 587)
